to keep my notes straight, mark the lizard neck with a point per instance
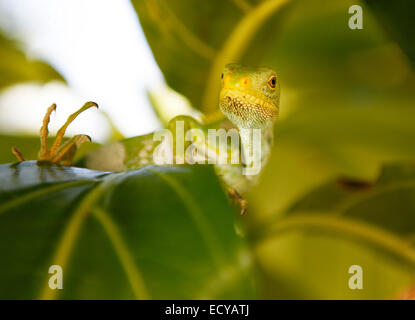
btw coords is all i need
(256, 147)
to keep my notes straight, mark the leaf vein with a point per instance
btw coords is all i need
(215, 248)
(133, 274)
(72, 230)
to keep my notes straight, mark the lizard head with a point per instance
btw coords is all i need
(250, 96)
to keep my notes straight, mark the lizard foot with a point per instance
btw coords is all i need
(236, 196)
(58, 153)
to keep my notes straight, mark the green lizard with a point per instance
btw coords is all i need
(249, 98)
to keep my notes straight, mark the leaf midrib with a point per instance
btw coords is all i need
(121, 249)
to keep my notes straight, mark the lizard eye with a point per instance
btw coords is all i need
(272, 82)
(221, 76)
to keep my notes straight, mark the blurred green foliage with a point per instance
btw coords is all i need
(340, 224)
(192, 43)
(16, 67)
(153, 233)
(398, 22)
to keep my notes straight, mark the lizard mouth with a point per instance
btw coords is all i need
(247, 109)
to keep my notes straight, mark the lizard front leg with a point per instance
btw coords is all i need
(237, 197)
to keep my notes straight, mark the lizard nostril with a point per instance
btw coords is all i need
(244, 81)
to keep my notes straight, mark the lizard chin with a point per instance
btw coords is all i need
(247, 109)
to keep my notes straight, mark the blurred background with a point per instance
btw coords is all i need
(99, 52)
(344, 143)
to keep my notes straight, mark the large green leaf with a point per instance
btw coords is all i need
(158, 232)
(340, 224)
(15, 67)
